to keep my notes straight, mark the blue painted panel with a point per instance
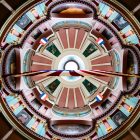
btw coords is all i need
(9, 98)
(31, 122)
(12, 102)
(103, 128)
(134, 99)
(126, 29)
(105, 10)
(18, 29)
(129, 102)
(39, 128)
(132, 39)
(11, 38)
(39, 11)
(43, 131)
(125, 111)
(30, 15)
(17, 110)
(101, 6)
(113, 16)
(111, 123)
(43, 7)
(99, 132)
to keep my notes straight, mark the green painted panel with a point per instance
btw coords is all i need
(89, 50)
(53, 49)
(89, 86)
(52, 86)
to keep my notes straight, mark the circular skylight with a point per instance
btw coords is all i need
(57, 70)
(71, 65)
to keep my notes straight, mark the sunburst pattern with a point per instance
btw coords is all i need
(65, 41)
(98, 45)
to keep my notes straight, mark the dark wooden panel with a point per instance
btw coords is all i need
(16, 136)
(4, 126)
(137, 15)
(15, 3)
(130, 4)
(4, 14)
(127, 136)
(136, 128)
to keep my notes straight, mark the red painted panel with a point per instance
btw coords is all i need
(40, 59)
(101, 60)
(62, 100)
(36, 67)
(71, 102)
(72, 33)
(38, 77)
(63, 37)
(81, 34)
(80, 102)
(103, 68)
(104, 78)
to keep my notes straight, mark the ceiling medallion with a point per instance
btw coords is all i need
(70, 69)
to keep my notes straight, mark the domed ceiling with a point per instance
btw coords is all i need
(70, 70)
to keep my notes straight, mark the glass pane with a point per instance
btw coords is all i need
(89, 50)
(53, 49)
(89, 86)
(52, 86)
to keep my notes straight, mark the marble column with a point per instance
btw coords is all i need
(136, 9)
(7, 135)
(3, 2)
(134, 135)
